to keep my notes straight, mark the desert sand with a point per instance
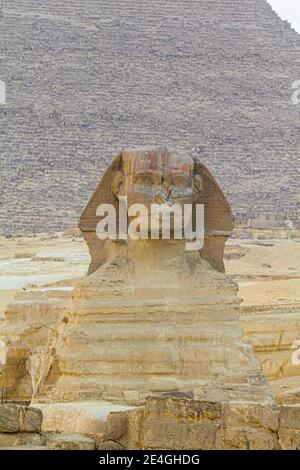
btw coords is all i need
(268, 272)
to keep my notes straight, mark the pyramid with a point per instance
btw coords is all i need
(86, 78)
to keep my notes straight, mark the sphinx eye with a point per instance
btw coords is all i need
(179, 182)
(144, 181)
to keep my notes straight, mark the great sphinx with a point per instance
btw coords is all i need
(152, 317)
(160, 175)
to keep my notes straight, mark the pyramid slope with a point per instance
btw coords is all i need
(85, 78)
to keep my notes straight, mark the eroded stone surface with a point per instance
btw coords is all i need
(289, 439)
(69, 442)
(9, 418)
(110, 445)
(32, 420)
(80, 417)
(21, 439)
(169, 423)
(17, 418)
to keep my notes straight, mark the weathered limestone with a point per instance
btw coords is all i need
(19, 418)
(164, 423)
(83, 425)
(20, 425)
(9, 419)
(172, 423)
(289, 432)
(274, 333)
(32, 420)
(30, 330)
(69, 442)
(77, 417)
(168, 423)
(152, 317)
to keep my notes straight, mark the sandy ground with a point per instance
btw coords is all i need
(39, 261)
(268, 272)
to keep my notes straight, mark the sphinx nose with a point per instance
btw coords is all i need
(162, 197)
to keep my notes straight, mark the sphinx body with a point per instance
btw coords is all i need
(151, 317)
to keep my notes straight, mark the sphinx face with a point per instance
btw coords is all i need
(160, 177)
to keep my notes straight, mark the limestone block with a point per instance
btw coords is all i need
(287, 390)
(184, 408)
(247, 438)
(109, 445)
(278, 364)
(30, 338)
(32, 421)
(255, 415)
(272, 332)
(9, 418)
(21, 439)
(15, 418)
(289, 439)
(172, 423)
(166, 423)
(289, 417)
(168, 433)
(69, 442)
(135, 428)
(80, 417)
(116, 427)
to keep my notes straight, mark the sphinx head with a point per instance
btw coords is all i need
(159, 176)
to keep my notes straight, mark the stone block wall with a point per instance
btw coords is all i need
(20, 426)
(169, 423)
(163, 424)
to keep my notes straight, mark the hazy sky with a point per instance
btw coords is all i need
(288, 10)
